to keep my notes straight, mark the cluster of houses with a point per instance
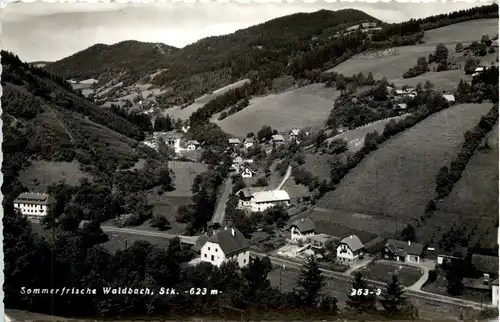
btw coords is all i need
(173, 139)
(409, 93)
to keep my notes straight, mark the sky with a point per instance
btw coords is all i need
(39, 31)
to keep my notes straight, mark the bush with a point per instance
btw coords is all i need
(432, 276)
(160, 222)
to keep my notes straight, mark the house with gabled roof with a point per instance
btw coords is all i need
(247, 172)
(227, 244)
(402, 251)
(192, 145)
(248, 143)
(350, 249)
(234, 141)
(34, 205)
(278, 139)
(301, 229)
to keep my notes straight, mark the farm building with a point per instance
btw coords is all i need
(248, 143)
(403, 251)
(246, 172)
(294, 134)
(278, 139)
(192, 145)
(245, 195)
(449, 98)
(234, 141)
(227, 244)
(301, 229)
(34, 205)
(262, 200)
(350, 249)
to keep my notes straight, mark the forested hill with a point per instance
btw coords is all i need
(44, 119)
(127, 60)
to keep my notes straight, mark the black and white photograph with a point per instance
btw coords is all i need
(250, 161)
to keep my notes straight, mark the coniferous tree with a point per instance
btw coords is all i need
(310, 282)
(360, 303)
(393, 299)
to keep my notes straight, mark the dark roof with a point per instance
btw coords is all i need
(200, 242)
(304, 225)
(485, 263)
(402, 248)
(495, 282)
(229, 243)
(35, 198)
(353, 242)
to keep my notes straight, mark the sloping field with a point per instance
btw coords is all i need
(185, 113)
(394, 66)
(399, 178)
(47, 173)
(443, 81)
(185, 172)
(476, 193)
(299, 108)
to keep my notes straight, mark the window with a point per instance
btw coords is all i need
(205, 255)
(208, 248)
(216, 250)
(244, 261)
(212, 259)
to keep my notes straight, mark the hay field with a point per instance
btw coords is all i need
(185, 172)
(399, 178)
(48, 173)
(443, 81)
(185, 113)
(476, 193)
(394, 66)
(306, 106)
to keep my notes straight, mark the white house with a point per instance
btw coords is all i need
(399, 92)
(246, 172)
(234, 141)
(192, 145)
(294, 134)
(263, 199)
(494, 294)
(349, 249)
(449, 98)
(401, 106)
(479, 70)
(402, 251)
(301, 229)
(237, 160)
(227, 244)
(278, 139)
(248, 143)
(34, 205)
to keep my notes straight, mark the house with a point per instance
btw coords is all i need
(200, 242)
(262, 200)
(494, 293)
(301, 229)
(401, 107)
(234, 141)
(245, 195)
(494, 43)
(237, 160)
(479, 70)
(350, 249)
(399, 92)
(449, 98)
(294, 134)
(192, 145)
(319, 241)
(246, 172)
(227, 244)
(184, 129)
(248, 143)
(34, 205)
(403, 251)
(485, 265)
(278, 139)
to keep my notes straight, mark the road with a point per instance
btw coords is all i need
(220, 211)
(285, 178)
(184, 239)
(417, 294)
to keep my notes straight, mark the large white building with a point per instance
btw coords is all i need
(262, 200)
(349, 249)
(34, 205)
(227, 244)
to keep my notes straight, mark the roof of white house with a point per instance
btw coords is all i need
(231, 241)
(234, 141)
(353, 242)
(479, 69)
(35, 198)
(270, 196)
(449, 97)
(278, 137)
(399, 91)
(402, 106)
(304, 225)
(295, 132)
(249, 140)
(193, 142)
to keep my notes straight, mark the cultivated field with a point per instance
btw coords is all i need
(306, 106)
(185, 172)
(383, 271)
(399, 178)
(476, 193)
(41, 174)
(393, 66)
(185, 113)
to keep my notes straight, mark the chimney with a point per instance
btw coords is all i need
(232, 231)
(409, 243)
(350, 236)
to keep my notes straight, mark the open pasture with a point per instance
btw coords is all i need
(465, 32)
(445, 81)
(41, 174)
(185, 172)
(399, 178)
(306, 106)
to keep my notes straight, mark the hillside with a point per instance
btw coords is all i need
(43, 119)
(126, 61)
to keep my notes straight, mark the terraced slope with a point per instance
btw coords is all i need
(398, 179)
